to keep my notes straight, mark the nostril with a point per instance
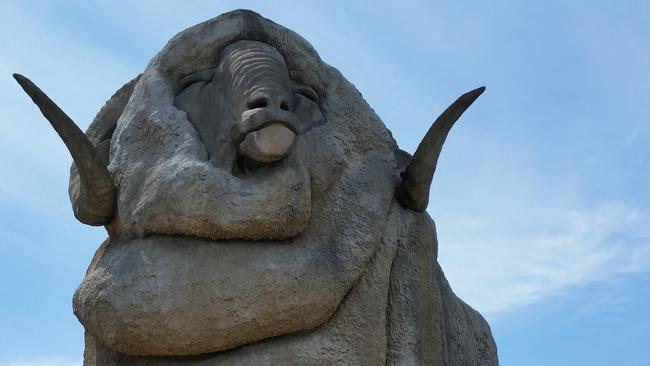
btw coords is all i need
(284, 106)
(257, 103)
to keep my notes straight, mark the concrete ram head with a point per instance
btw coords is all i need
(258, 212)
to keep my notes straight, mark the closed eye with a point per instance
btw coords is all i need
(308, 93)
(189, 80)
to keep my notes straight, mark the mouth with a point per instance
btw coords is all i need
(264, 137)
(267, 145)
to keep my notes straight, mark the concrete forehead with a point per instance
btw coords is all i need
(200, 46)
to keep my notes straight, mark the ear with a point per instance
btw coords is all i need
(403, 159)
(100, 131)
(305, 107)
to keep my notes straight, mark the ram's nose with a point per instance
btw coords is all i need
(267, 131)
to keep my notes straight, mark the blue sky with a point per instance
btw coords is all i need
(542, 193)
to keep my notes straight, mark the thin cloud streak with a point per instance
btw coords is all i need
(520, 263)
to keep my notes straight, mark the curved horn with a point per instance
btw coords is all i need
(93, 201)
(413, 191)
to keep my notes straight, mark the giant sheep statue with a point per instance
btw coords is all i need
(259, 213)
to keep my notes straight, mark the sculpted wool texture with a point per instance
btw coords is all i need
(259, 213)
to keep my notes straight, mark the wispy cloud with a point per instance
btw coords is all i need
(500, 263)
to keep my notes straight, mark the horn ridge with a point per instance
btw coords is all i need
(94, 200)
(413, 191)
